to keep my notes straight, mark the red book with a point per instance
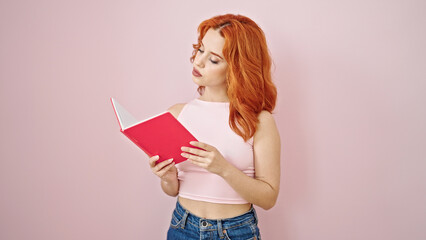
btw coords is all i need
(161, 135)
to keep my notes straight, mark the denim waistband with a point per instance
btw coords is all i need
(214, 224)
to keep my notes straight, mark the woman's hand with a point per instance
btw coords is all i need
(208, 158)
(165, 170)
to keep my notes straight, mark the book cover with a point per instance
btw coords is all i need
(161, 135)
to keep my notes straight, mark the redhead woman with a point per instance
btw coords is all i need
(236, 163)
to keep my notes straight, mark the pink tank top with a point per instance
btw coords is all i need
(208, 122)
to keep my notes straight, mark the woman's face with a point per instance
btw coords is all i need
(209, 61)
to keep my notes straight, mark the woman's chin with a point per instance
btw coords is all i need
(196, 81)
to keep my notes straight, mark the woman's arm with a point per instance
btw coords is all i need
(264, 188)
(171, 186)
(169, 181)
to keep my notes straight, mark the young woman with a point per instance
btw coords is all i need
(236, 163)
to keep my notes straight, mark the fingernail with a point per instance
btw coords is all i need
(170, 160)
(157, 157)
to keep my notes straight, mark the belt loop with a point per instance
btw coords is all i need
(183, 221)
(255, 215)
(219, 228)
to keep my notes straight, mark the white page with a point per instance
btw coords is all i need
(124, 117)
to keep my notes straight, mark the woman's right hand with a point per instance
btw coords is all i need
(165, 170)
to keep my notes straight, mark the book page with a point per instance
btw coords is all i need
(124, 117)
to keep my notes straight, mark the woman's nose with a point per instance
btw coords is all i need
(199, 61)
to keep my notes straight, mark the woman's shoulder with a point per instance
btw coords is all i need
(176, 109)
(265, 117)
(266, 127)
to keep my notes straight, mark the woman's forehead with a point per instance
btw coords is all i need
(213, 41)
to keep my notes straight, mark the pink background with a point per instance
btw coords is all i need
(351, 114)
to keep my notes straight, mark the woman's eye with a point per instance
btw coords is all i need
(214, 62)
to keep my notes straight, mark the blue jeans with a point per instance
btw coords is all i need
(185, 225)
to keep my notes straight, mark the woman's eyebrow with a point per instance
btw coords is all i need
(213, 52)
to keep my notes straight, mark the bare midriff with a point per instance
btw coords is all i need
(213, 210)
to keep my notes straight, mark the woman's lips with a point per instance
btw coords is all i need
(196, 73)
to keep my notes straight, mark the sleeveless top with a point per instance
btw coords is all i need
(208, 122)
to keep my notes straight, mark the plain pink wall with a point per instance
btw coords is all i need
(351, 80)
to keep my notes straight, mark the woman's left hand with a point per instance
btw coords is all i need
(208, 158)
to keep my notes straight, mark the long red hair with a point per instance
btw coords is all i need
(249, 84)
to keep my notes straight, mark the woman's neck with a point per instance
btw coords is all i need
(216, 95)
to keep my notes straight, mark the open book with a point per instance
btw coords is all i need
(161, 135)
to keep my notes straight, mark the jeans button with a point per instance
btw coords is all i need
(204, 223)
